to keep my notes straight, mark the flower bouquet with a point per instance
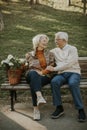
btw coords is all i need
(13, 66)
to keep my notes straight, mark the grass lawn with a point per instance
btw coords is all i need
(22, 22)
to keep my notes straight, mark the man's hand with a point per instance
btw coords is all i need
(50, 68)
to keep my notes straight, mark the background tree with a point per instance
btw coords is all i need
(1, 22)
(34, 2)
(69, 2)
(6, 0)
(84, 6)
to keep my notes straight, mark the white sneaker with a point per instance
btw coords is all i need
(36, 115)
(40, 100)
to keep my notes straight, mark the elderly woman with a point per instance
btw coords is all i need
(37, 75)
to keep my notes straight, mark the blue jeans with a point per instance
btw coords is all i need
(36, 82)
(73, 81)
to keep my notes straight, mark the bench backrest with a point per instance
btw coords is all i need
(83, 65)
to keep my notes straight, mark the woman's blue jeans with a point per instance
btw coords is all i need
(36, 82)
(73, 81)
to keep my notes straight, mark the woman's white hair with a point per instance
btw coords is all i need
(62, 35)
(36, 40)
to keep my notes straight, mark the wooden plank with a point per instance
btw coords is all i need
(27, 87)
(7, 86)
(83, 58)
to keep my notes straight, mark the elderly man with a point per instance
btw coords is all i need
(67, 66)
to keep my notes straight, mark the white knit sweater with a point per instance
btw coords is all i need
(66, 59)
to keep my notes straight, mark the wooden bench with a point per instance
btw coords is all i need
(24, 86)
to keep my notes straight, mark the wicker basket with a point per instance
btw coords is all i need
(14, 76)
(24, 68)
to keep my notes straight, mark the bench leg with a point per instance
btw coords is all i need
(12, 93)
(15, 96)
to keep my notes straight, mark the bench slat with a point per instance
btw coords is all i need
(7, 86)
(27, 87)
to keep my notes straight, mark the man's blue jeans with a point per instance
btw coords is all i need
(73, 81)
(36, 82)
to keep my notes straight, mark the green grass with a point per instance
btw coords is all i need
(22, 22)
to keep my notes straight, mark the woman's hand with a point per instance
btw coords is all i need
(50, 68)
(39, 72)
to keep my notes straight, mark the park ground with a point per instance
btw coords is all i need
(22, 118)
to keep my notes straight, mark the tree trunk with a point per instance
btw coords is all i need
(37, 1)
(31, 2)
(6, 0)
(69, 2)
(1, 22)
(34, 2)
(84, 6)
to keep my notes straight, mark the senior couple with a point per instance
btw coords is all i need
(63, 60)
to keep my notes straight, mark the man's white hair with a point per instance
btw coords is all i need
(62, 35)
(36, 40)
